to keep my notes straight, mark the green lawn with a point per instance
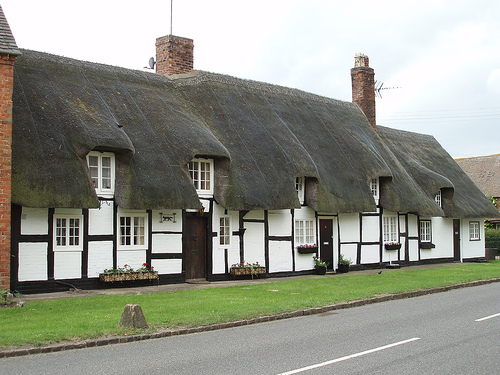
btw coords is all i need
(41, 322)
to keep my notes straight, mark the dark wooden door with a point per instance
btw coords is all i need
(196, 247)
(326, 241)
(456, 239)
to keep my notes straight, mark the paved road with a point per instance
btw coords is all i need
(457, 332)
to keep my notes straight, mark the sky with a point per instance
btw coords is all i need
(438, 60)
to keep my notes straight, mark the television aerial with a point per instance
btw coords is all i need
(379, 86)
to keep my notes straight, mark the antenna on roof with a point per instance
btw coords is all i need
(171, 15)
(379, 87)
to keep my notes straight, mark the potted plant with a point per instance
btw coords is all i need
(392, 245)
(307, 249)
(320, 266)
(343, 264)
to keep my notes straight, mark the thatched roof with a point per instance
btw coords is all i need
(484, 171)
(262, 136)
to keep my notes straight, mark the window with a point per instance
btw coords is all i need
(132, 232)
(425, 231)
(474, 231)
(438, 199)
(225, 231)
(374, 187)
(67, 232)
(102, 171)
(390, 229)
(201, 172)
(299, 186)
(304, 232)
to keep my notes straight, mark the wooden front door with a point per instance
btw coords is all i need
(326, 241)
(456, 239)
(196, 247)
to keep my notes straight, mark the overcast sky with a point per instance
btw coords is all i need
(443, 56)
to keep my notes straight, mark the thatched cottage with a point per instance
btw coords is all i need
(192, 172)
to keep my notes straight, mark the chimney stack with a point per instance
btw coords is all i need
(174, 55)
(363, 87)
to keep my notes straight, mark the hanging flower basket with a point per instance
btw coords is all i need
(307, 249)
(392, 246)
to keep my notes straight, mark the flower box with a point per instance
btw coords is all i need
(392, 247)
(307, 249)
(238, 271)
(129, 276)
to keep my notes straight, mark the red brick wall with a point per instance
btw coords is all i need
(363, 91)
(174, 55)
(6, 87)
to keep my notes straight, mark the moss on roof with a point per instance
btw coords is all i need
(262, 136)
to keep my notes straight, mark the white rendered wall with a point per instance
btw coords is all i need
(254, 243)
(371, 229)
(472, 249)
(305, 261)
(349, 227)
(369, 254)
(32, 261)
(413, 232)
(280, 223)
(34, 220)
(442, 238)
(134, 258)
(166, 243)
(67, 265)
(101, 219)
(100, 257)
(167, 266)
(280, 256)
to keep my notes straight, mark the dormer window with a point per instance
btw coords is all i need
(202, 172)
(299, 186)
(102, 171)
(437, 198)
(374, 188)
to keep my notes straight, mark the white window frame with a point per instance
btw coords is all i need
(197, 168)
(100, 172)
(300, 187)
(66, 233)
(425, 231)
(225, 231)
(129, 227)
(374, 187)
(438, 199)
(304, 232)
(474, 231)
(390, 228)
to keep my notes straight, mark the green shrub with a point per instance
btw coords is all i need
(492, 238)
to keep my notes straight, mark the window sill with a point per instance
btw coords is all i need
(427, 245)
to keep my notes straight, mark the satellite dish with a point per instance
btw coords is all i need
(152, 63)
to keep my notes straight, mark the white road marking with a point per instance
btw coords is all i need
(487, 317)
(350, 356)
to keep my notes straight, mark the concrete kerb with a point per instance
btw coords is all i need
(184, 331)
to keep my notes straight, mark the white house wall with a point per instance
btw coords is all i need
(219, 251)
(67, 265)
(472, 248)
(100, 257)
(413, 234)
(101, 219)
(371, 229)
(32, 261)
(34, 221)
(254, 243)
(280, 222)
(280, 258)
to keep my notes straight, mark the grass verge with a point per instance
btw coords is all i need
(43, 322)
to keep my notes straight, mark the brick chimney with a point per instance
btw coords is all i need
(174, 55)
(363, 87)
(8, 54)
